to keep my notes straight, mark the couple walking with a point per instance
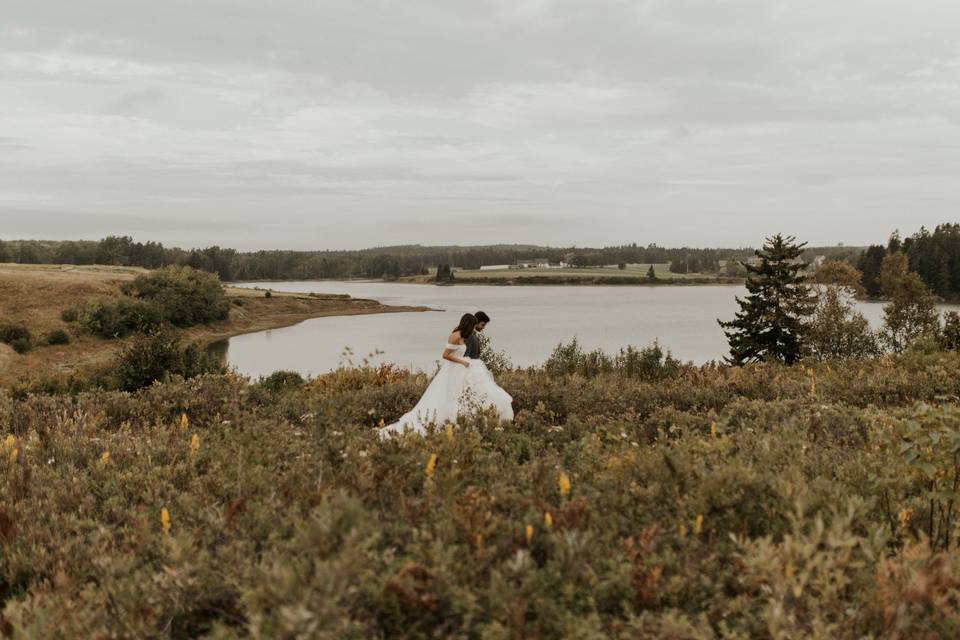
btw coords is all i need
(462, 384)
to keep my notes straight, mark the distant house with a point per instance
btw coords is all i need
(494, 267)
(536, 263)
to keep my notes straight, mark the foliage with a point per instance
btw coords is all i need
(724, 502)
(69, 315)
(837, 330)
(17, 336)
(771, 322)
(950, 333)
(186, 296)
(840, 274)
(912, 312)
(496, 361)
(119, 317)
(649, 363)
(157, 356)
(444, 273)
(58, 336)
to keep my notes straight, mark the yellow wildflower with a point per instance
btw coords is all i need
(449, 432)
(165, 520)
(563, 483)
(13, 455)
(528, 533)
(105, 457)
(682, 530)
(698, 525)
(431, 466)
(547, 520)
(713, 429)
(194, 445)
(382, 423)
(813, 382)
(11, 441)
(184, 422)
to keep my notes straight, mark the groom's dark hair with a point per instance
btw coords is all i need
(481, 316)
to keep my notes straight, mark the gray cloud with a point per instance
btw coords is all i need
(372, 122)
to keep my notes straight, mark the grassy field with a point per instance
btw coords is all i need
(35, 296)
(676, 502)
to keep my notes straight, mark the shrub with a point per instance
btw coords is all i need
(22, 345)
(185, 296)
(119, 317)
(69, 315)
(267, 294)
(58, 336)
(157, 356)
(10, 331)
(281, 380)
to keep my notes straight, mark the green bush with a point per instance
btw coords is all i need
(119, 317)
(58, 336)
(69, 315)
(21, 345)
(157, 356)
(281, 380)
(185, 296)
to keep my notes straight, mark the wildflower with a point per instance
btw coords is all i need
(547, 520)
(478, 541)
(105, 457)
(789, 569)
(449, 432)
(165, 520)
(698, 525)
(194, 445)
(563, 483)
(382, 423)
(713, 429)
(184, 422)
(813, 382)
(11, 441)
(431, 466)
(682, 530)
(528, 533)
(13, 455)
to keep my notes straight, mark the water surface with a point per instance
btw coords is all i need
(528, 322)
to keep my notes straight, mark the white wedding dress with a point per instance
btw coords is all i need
(454, 391)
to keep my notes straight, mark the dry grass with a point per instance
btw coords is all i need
(36, 295)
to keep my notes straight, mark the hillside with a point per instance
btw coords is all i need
(36, 295)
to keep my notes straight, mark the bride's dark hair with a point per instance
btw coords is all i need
(467, 323)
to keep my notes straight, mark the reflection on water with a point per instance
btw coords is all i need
(528, 322)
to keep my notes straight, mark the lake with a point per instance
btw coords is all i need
(527, 323)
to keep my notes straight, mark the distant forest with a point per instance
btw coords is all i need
(934, 256)
(380, 262)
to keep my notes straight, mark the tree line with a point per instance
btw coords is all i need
(933, 256)
(379, 262)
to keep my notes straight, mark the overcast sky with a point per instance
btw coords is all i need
(322, 124)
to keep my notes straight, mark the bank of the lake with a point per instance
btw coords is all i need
(36, 295)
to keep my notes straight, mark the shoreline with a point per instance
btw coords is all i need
(35, 295)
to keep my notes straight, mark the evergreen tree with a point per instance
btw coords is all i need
(4, 255)
(651, 273)
(771, 323)
(871, 262)
(912, 311)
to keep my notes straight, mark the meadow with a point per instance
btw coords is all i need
(648, 499)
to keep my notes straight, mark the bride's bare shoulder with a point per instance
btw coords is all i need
(455, 338)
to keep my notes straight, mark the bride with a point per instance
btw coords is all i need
(461, 385)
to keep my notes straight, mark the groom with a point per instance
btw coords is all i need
(473, 341)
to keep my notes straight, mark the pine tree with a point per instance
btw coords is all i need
(651, 273)
(771, 323)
